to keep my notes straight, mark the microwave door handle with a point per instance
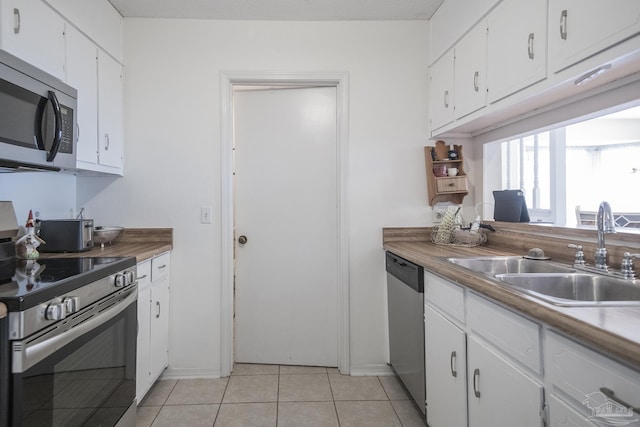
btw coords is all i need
(57, 136)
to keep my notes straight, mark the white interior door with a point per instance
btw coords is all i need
(286, 204)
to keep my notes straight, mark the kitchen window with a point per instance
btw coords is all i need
(570, 168)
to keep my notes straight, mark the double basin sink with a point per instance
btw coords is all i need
(554, 283)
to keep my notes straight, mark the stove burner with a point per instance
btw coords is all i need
(21, 279)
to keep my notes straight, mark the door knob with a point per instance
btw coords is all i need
(242, 240)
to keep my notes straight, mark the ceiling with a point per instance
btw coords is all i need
(285, 10)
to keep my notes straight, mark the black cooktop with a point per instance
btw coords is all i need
(26, 283)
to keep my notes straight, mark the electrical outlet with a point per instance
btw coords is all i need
(205, 214)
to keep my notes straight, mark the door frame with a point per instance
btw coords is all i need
(339, 80)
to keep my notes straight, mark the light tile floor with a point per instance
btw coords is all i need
(279, 396)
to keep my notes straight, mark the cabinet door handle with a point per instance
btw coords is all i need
(158, 309)
(611, 395)
(16, 21)
(563, 24)
(530, 45)
(452, 363)
(476, 382)
(162, 266)
(144, 276)
(446, 99)
(106, 142)
(475, 81)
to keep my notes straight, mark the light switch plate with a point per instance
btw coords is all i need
(205, 215)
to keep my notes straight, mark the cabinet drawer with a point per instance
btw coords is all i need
(144, 274)
(451, 185)
(581, 372)
(516, 336)
(160, 267)
(445, 295)
(562, 415)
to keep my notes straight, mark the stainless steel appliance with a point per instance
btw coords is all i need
(405, 296)
(66, 235)
(37, 118)
(68, 350)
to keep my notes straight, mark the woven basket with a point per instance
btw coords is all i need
(457, 237)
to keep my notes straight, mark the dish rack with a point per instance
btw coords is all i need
(449, 233)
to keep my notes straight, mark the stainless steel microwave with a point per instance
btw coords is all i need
(37, 118)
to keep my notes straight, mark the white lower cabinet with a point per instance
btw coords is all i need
(500, 394)
(446, 371)
(518, 372)
(153, 321)
(483, 362)
(594, 389)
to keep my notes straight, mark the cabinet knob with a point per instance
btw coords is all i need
(242, 240)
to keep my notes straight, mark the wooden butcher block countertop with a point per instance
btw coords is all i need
(612, 330)
(141, 243)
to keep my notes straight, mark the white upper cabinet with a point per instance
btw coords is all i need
(97, 19)
(32, 31)
(441, 91)
(471, 71)
(110, 128)
(452, 19)
(516, 47)
(579, 29)
(82, 73)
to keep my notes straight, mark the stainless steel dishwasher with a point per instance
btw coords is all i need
(405, 296)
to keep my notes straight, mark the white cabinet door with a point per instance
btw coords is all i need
(110, 131)
(143, 372)
(32, 31)
(98, 19)
(441, 94)
(446, 371)
(471, 71)
(82, 74)
(516, 46)
(581, 28)
(499, 393)
(159, 343)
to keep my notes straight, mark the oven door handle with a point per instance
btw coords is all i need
(27, 354)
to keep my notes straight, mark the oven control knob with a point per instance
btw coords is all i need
(55, 311)
(121, 280)
(131, 276)
(71, 304)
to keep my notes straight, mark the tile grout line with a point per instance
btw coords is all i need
(389, 400)
(333, 398)
(221, 400)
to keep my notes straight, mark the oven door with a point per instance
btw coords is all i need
(81, 371)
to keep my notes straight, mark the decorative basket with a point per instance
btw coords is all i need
(457, 237)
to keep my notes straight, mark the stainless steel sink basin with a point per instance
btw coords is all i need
(509, 264)
(576, 289)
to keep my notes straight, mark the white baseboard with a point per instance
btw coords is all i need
(377, 370)
(187, 373)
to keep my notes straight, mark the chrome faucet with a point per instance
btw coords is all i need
(605, 224)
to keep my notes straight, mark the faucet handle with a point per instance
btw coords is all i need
(579, 257)
(627, 265)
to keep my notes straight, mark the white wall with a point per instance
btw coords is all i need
(172, 129)
(51, 195)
